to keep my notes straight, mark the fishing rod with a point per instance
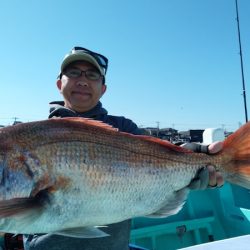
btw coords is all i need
(241, 62)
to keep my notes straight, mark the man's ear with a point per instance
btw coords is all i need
(59, 84)
(104, 88)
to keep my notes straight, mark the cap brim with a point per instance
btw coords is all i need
(81, 57)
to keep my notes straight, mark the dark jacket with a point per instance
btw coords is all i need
(119, 232)
(98, 113)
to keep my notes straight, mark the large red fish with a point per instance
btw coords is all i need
(67, 176)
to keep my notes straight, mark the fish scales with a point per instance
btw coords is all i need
(72, 172)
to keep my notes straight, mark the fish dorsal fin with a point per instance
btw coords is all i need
(88, 121)
(100, 124)
(168, 145)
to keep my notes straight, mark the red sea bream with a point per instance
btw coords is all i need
(69, 176)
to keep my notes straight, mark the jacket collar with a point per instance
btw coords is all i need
(57, 109)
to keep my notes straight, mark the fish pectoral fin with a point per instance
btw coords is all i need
(23, 206)
(173, 205)
(82, 232)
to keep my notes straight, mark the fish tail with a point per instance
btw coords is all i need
(236, 152)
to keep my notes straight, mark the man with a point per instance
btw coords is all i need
(82, 83)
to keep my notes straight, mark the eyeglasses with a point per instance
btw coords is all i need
(102, 60)
(92, 75)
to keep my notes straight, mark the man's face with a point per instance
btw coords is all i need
(81, 94)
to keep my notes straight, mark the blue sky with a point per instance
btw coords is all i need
(175, 62)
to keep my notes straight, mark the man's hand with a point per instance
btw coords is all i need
(207, 177)
(215, 177)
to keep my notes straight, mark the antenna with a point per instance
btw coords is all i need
(241, 62)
